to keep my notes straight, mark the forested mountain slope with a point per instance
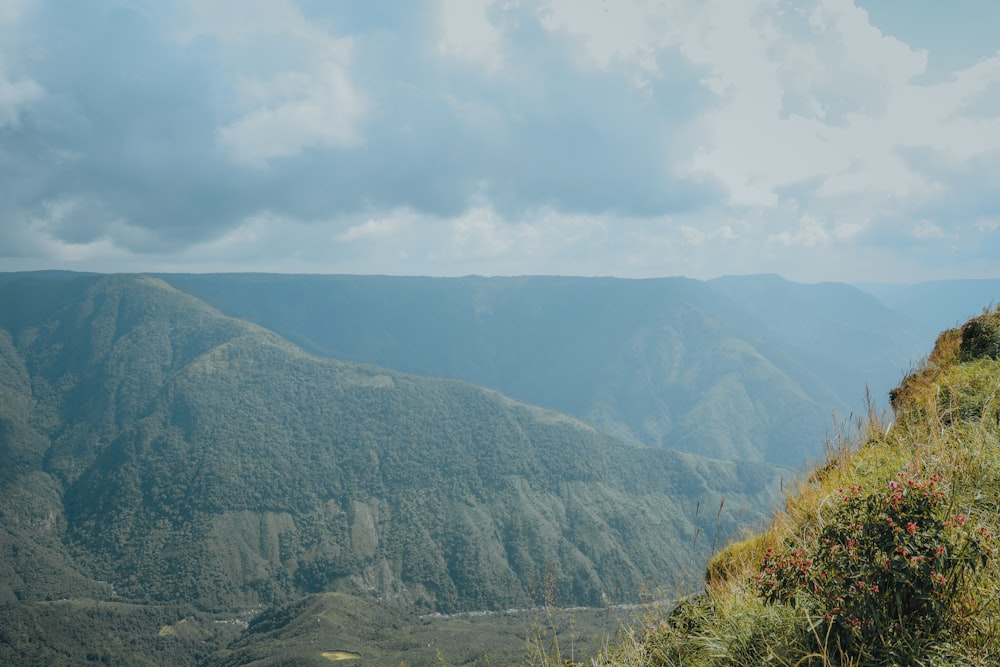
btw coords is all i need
(747, 368)
(157, 449)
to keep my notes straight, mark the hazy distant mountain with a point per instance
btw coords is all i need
(179, 455)
(940, 304)
(747, 368)
(835, 332)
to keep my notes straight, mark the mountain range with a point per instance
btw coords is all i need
(198, 445)
(747, 368)
(157, 451)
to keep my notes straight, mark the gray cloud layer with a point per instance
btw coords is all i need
(611, 137)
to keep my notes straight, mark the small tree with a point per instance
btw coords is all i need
(981, 337)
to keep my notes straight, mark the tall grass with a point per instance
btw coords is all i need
(884, 555)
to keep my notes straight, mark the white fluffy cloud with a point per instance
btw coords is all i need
(309, 101)
(466, 32)
(297, 111)
(17, 92)
(15, 96)
(805, 92)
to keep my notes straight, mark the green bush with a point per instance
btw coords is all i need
(981, 337)
(887, 572)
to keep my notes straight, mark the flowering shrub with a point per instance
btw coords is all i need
(886, 568)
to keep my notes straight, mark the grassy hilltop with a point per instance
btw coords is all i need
(885, 555)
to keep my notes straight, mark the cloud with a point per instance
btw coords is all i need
(809, 234)
(468, 33)
(302, 99)
(925, 229)
(318, 111)
(11, 10)
(163, 107)
(55, 233)
(17, 91)
(800, 100)
(375, 229)
(801, 91)
(14, 97)
(629, 137)
(988, 225)
(628, 34)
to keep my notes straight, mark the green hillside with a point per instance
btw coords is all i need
(331, 626)
(744, 368)
(158, 453)
(885, 555)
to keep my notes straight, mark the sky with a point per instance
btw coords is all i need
(821, 140)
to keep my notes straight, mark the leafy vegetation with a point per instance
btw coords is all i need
(311, 630)
(746, 368)
(164, 454)
(885, 555)
(82, 631)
